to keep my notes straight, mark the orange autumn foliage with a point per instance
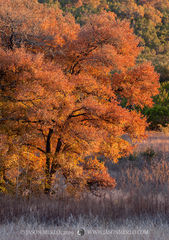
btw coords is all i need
(59, 95)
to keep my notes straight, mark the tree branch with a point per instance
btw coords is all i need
(38, 148)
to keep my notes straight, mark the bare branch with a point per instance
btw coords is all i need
(38, 148)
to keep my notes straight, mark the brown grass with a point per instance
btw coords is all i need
(157, 141)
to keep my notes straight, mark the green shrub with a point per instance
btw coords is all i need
(158, 115)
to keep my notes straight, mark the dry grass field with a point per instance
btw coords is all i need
(131, 229)
(156, 140)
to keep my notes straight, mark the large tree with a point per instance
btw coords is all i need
(62, 86)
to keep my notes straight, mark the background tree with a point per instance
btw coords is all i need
(159, 113)
(62, 86)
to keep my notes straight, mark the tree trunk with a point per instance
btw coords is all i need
(48, 182)
(51, 167)
(48, 175)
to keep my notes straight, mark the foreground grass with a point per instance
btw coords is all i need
(117, 215)
(134, 229)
